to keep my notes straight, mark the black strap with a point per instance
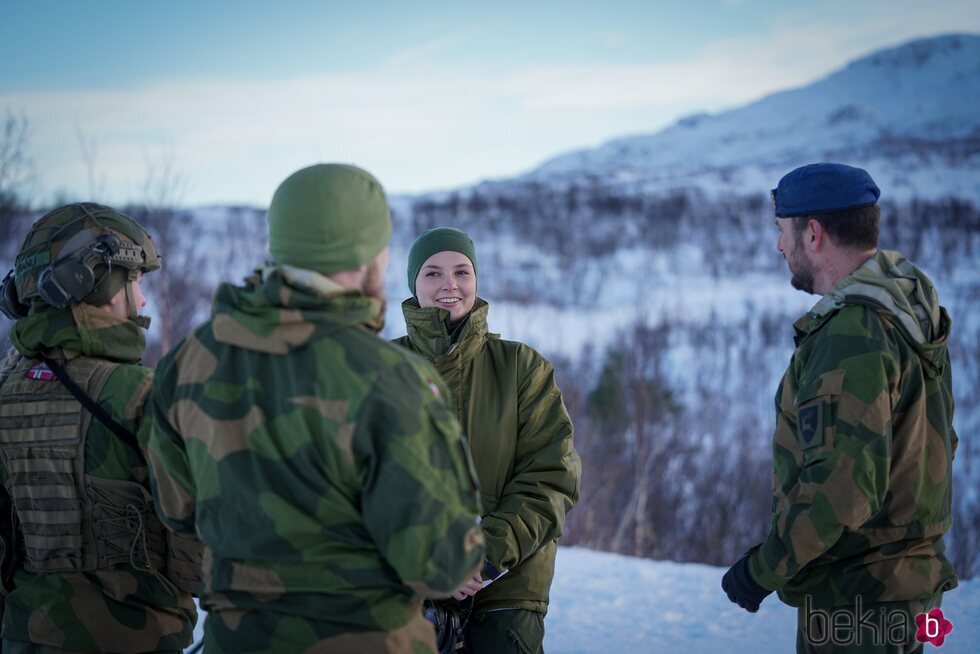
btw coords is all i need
(98, 412)
(13, 552)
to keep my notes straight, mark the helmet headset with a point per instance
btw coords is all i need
(83, 265)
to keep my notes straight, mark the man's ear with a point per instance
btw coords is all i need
(814, 236)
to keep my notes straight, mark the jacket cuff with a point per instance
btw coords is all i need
(761, 573)
(502, 550)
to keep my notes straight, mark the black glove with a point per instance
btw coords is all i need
(741, 588)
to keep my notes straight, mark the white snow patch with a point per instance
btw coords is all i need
(602, 603)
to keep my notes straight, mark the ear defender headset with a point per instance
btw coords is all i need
(10, 304)
(72, 278)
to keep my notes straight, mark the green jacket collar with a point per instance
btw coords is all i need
(283, 308)
(428, 330)
(81, 329)
(890, 282)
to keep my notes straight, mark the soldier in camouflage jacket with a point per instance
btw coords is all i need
(319, 464)
(864, 442)
(86, 563)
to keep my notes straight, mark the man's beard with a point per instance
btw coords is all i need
(373, 285)
(800, 265)
(802, 279)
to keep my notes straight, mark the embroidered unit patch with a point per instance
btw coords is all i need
(809, 426)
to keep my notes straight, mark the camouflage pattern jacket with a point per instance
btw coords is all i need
(521, 438)
(319, 465)
(124, 606)
(864, 445)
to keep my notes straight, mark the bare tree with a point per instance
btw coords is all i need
(177, 291)
(17, 174)
(90, 150)
(658, 483)
(16, 181)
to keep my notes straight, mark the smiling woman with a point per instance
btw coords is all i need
(447, 280)
(505, 396)
(442, 272)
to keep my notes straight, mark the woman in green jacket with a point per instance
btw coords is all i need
(520, 436)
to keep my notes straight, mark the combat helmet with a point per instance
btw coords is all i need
(82, 252)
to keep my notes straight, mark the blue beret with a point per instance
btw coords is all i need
(823, 188)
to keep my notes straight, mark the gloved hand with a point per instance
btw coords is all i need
(741, 588)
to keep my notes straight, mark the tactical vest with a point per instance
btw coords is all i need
(71, 521)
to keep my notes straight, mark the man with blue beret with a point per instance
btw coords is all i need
(864, 442)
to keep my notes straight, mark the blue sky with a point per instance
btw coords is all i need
(230, 97)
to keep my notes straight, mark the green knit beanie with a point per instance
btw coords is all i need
(328, 218)
(438, 239)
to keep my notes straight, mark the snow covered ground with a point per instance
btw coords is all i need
(605, 603)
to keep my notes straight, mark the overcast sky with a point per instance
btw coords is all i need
(231, 97)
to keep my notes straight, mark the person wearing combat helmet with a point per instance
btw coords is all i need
(864, 441)
(319, 464)
(86, 564)
(521, 437)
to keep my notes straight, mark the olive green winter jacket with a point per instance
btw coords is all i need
(505, 396)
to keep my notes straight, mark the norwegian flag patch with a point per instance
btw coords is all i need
(41, 372)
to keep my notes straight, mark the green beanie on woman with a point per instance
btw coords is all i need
(433, 241)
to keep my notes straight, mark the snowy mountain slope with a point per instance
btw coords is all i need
(909, 113)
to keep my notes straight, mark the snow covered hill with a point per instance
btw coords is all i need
(911, 113)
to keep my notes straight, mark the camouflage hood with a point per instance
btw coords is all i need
(283, 308)
(79, 328)
(891, 282)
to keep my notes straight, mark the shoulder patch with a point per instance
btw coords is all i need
(433, 387)
(41, 372)
(810, 425)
